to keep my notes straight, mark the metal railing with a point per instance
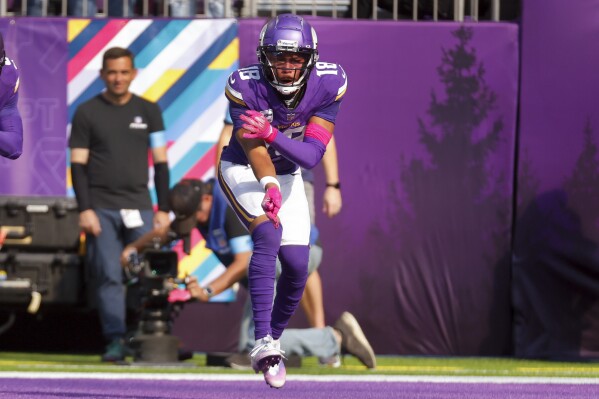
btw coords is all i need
(415, 10)
(143, 8)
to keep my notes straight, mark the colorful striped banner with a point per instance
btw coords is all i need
(183, 66)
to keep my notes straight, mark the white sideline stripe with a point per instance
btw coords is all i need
(300, 377)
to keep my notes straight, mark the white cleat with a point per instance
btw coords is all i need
(275, 375)
(266, 357)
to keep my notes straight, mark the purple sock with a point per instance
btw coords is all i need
(261, 275)
(290, 287)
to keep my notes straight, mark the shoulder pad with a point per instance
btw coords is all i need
(333, 78)
(232, 89)
(239, 82)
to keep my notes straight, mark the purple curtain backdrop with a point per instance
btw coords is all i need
(556, 262)
(39, 49)
(420, 251)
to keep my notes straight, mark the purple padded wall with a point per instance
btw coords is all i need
(556, 258)
(41, 56)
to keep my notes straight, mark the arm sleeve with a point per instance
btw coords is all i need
(161, 171)
(11, 130)
(81, 186)
(235, 110)
(305, 153)
(162, 183)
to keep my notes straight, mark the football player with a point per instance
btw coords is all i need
(11, 125)
(284, 110)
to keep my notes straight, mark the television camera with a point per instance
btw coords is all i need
(155, 271)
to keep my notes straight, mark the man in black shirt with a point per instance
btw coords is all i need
(110, 138)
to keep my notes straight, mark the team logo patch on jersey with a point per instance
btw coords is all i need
(290, 117)
(138, 123)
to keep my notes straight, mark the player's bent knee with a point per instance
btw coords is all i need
(266, 235)
(294, 260)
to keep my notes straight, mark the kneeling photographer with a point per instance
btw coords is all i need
(201, 205)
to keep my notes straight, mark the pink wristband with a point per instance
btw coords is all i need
(272, 136)
(269, 179)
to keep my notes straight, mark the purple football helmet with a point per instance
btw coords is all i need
(287, 50)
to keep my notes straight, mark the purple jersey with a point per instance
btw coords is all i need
(9, 82)
(247, 88)
(11, 126)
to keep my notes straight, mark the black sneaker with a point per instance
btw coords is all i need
(353, 340)
(115, 351)
(184, 354)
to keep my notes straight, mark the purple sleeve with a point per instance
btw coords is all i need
(235, 111)
(305, 153)
(329, 113)
(11, 130)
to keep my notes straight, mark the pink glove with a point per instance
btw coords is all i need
(179, 295)
(272, 203)
(258, 127)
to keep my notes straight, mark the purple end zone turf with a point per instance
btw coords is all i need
(17, 388)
